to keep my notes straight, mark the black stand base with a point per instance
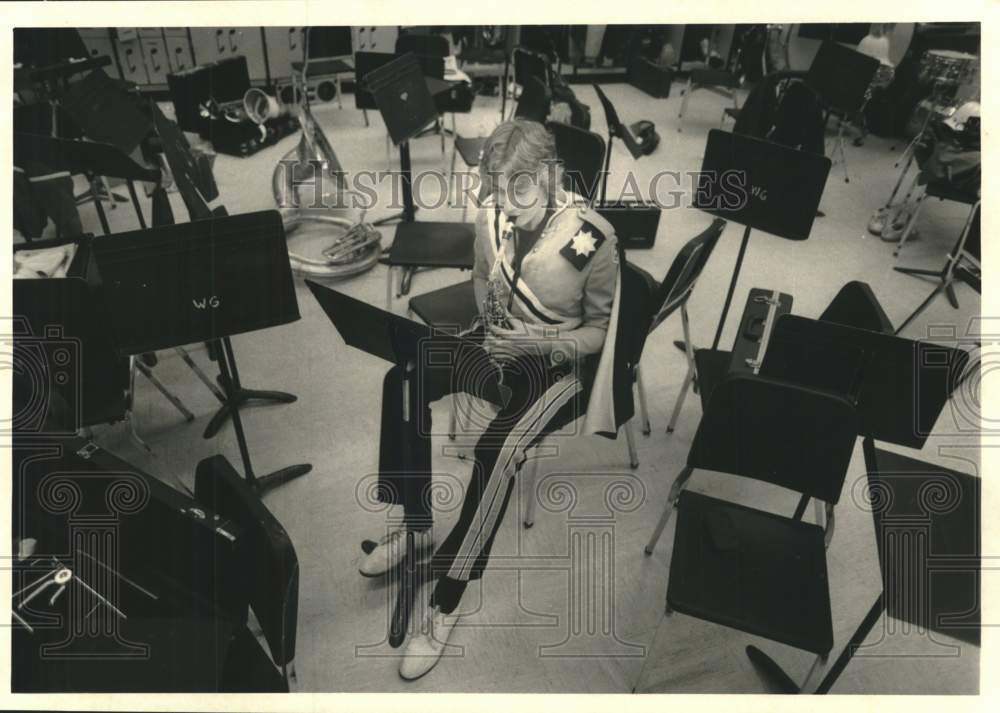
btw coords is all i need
(229, 377)
(777, 679)
(241, 397)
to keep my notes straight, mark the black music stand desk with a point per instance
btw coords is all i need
(90, 158)
(900, 387)
(762, 185)
(202, 281)
(407, 106)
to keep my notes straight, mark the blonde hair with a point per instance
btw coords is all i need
(520, 147)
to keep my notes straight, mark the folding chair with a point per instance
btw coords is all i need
(582, 155)
(718, 80)
(639, 302)
(324, 55)
(942, 190)
(755, 571)
(675, 291)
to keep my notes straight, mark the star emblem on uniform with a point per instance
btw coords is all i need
(584, 243)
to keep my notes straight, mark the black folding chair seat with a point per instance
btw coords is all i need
(324, 67)
(450, 308)
(433, 244)
(753, 571)
(470, 149)
(947, 191)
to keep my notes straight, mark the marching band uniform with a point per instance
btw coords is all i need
(565, 289)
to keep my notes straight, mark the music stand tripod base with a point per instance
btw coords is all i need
(242, 397)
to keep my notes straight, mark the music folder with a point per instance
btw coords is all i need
(393, 338)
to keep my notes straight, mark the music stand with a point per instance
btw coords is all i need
(899, 387)
(779, 192)
(405, 100)
(202, 281)
(399, 341)
(842, 77)
(90, 158)
(615, 129)
(963, 263)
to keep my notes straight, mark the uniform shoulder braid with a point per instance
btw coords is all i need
(587, 240)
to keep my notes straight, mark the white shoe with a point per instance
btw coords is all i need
(424, 649)
(391, 551)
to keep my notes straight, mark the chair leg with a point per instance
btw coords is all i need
(453, 417)
(388, 288)
(530, 479)
(830, 525)
(643, 412)
(675, 493)
(910, 224)
(630, 438)
(364, 113)
(340, 94)
(689, 377)
(684, 103)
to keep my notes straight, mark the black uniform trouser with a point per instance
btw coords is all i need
(540, 398)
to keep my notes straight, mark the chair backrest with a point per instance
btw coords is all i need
(633, 315)
(328, 42)
(274, 578)
(777, 432)
(856, 306)
(528, 64)
(433, 45)
(534, 101)
(684, 271)
(582, 155)
(364, 63)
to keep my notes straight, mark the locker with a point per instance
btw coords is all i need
(178, 51)
(284, 46)
(215, 43)
(375, 39)
(154, 53)
(132, 63)
(99, 44)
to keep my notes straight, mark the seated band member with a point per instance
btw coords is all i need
(546, 279)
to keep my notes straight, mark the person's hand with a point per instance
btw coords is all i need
(517, 339)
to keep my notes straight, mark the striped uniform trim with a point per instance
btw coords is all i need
(526, 429)
(527, 297)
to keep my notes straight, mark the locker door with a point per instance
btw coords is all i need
(133, 65)
(284, 46)
(210, 44)
(154, 53)
(246, 41)
(99, 44)
(178, 51)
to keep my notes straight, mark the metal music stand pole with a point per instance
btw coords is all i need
(732, 287)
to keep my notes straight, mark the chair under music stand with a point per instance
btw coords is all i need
(717, 80)
(407, 106)
(943, 191)
(899, 388)
(324, 54)
(744, 568)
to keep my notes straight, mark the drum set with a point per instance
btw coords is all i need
(944, 71)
